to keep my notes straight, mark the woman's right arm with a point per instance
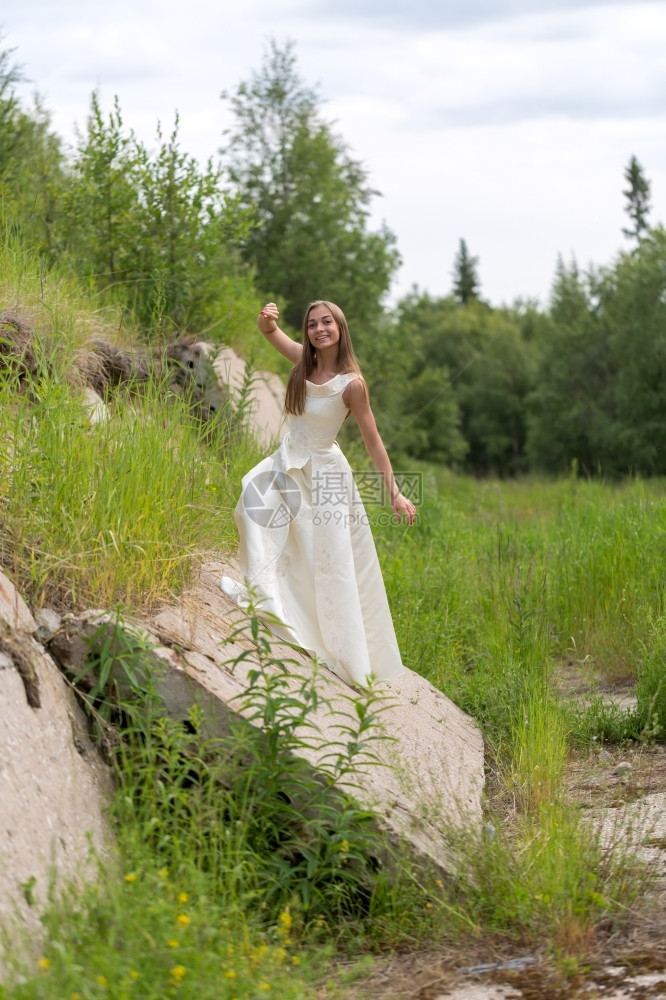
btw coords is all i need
(267, 323)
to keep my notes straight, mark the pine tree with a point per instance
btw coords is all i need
(310, 198)
(638, 199)
(466, 285)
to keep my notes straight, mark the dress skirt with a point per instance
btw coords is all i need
(307, 551)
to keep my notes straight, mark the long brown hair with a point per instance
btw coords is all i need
(295, 397)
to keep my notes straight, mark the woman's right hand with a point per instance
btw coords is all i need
(267, 323)
(267, 318)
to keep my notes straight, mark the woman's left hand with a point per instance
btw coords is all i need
(402, 507)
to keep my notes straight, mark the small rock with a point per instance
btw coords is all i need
(48, 623)
(622, 769)
(511, 964)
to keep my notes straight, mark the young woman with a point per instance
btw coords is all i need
(306, 547)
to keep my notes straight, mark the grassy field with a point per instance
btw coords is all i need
(503, 581)
(498, 587)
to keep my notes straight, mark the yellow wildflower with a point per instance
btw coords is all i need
(163, 873)
(44, 963)
(133, 974)
(76, 996)
(285, 921)
(102, 981)
(344, 846)
(178, 972)
(183, 897)
(295, 959)
(130, 877)
(172, 943)
(230, 974)
(264, 986)
(439, 883)
(183, 920)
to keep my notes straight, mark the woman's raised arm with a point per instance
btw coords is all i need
(267, 323)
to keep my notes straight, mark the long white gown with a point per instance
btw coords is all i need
(307, 549)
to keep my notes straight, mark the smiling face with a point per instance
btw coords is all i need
(321, 327)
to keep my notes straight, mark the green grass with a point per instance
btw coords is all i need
(498, 584)
(116, 512)
(502, 581)
(113, 513)
(153, 932)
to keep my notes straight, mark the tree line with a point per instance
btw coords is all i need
(283, 213)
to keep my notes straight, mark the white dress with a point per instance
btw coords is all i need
(307, 550)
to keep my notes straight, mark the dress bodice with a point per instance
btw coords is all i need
(314, 431)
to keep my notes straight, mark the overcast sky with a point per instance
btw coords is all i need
(507, 123)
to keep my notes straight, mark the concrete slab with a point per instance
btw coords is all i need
(650, 984)
(14, 612)
(266, 409)
(637, 829)
(54, 790)
(428, 778)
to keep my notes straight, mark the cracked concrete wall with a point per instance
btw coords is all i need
(54, 787)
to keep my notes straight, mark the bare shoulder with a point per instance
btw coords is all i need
(356, 393)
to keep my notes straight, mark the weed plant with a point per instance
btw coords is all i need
(258, 817)
(148, 931)
(237, 860)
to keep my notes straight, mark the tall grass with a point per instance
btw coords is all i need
(580, 563)
(497, 585)
(113, 512)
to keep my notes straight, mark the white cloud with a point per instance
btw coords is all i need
(527, 193)
(424, 15)
(506, 123)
